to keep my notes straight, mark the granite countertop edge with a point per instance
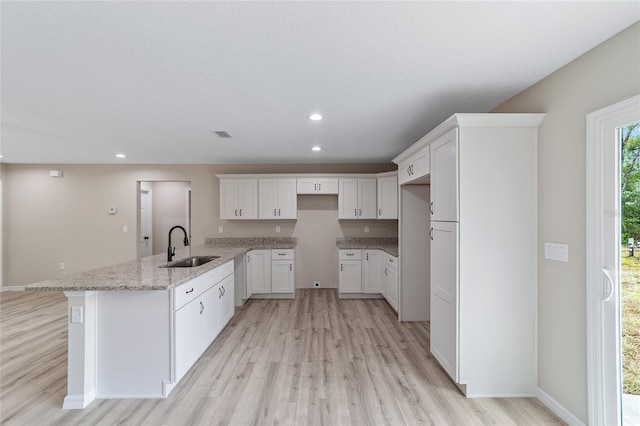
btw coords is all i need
(145, 274)
(387, 245)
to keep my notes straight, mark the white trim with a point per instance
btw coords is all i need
(78, 402)
(306, 175)
(595, 215)
(557, 408)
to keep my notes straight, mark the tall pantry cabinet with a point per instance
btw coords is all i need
(483, 254)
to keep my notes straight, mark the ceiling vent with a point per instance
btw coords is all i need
(222, 133)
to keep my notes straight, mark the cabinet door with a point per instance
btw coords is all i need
(187, 345)
(327, 186)
(282, 276)
(208, 312)
(247, 198)
(388, 197)
(350, 276)
(260, 266)
(268, 195)
(391, 286)
(249, 274)
(229, 199)
(444, 295)
(287, 199)
(307, 186)
(372, 271)
(367, 198)
(226, 307)
(444, 177)
(348, 199)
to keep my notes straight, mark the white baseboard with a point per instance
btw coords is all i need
(78, 402)
(12, 288)
(558, 409)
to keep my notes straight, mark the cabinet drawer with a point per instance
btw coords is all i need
(185, 293)
(391, 261)
(284, 254)
(350, 254)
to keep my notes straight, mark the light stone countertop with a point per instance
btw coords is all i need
(145, 274)
(388, 245)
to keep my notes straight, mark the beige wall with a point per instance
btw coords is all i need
(169, 209)
(605, 75)
(65, 220)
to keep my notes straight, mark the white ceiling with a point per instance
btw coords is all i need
(82, 81)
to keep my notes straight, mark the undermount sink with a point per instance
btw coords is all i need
(190, 262)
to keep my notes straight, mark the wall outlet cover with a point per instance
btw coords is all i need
(220, 229)
(76, 315)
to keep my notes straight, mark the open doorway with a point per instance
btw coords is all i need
(609, 199)
(161, 205)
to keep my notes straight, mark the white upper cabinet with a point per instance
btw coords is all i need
(416, 168)
(357, 199)
(444, 177)
(278, 199)
(238, 198)
(317, 185)
(388, 197)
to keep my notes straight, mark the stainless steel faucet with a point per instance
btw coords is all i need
(172, 251)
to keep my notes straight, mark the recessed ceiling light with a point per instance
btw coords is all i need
(316, 148)
(315, 117)
(121, 156)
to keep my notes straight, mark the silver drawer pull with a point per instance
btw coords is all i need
(189, 291)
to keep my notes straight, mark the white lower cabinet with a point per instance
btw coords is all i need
(199, 321)
(372, 271)
(350, 271)
(258, 272)
(391, 280)
(187, 344)
(270, 272)
(364, 273)
(282, 271)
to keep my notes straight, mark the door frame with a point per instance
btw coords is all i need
(596, 213)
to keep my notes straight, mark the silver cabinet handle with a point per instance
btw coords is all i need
(350, 254)
(431, 234)
(315, 187)
(279, 212)
(379, 212)
(236, 212)
(274, 212)
(360, 212)
(248, 259)
(431, 207)
(240, 212)
(189, 291)
(386, 271)
(355, 212)
(201, 308)
(319, 187)
(367, 256)
(341, 267)
(291, 267)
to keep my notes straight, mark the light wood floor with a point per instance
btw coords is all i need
(314, 360)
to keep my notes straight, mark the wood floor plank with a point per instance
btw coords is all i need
(314, 360)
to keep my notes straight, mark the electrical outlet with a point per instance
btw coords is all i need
(62, 266)
(125, 228)
(366, 229)
(277, 228)
(76, 314)
(220, 229)
(316, 284)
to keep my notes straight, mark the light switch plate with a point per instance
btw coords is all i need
(220, 229)
(556, 251)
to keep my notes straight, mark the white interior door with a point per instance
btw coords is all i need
(146, 228)
(603, 260)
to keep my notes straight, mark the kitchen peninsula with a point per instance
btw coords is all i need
(136, 328)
